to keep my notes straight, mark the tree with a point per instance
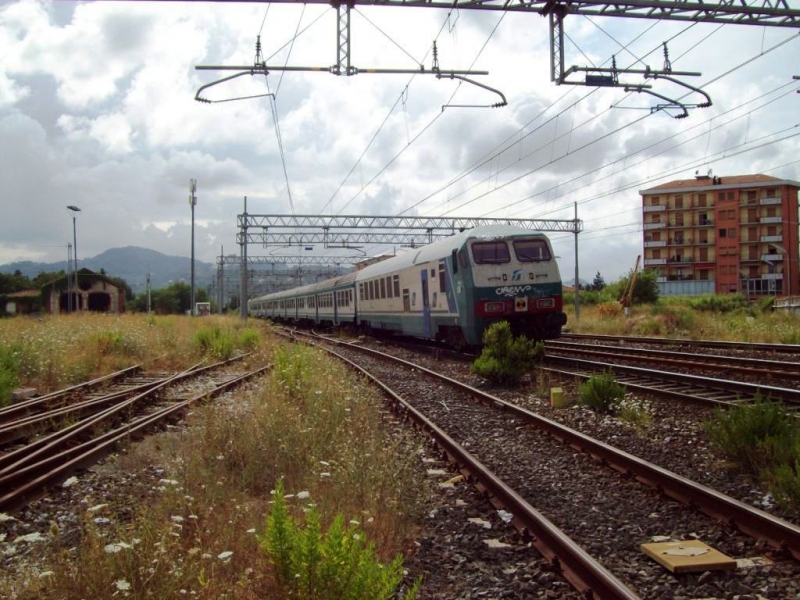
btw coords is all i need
(598, 283)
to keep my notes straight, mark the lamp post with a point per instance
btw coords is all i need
(192, 203)
(75, 210)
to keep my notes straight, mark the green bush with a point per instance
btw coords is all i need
(504, 359)
(9, 373)
(214, 342)
(785, 484)
(601, 392)
(248, 339)
(719, 304)
(758, 437)
(336, 565)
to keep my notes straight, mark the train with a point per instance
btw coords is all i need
(449, 291)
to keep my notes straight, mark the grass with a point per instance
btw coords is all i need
(691, 318)
(58, 350)
(311, 430)
(601, 393)
(762, 439)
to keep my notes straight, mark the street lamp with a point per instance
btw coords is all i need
(192, 203)
(75, 210)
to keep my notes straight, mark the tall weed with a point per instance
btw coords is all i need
(337, 564)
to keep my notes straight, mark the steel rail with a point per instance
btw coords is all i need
(758, 524)
(33, 424)
(732, 390)
(740, 346)
(582, 571)
(754, 366)
(37, 477)
(20, 457)
(9, 412)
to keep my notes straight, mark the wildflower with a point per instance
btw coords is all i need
(303, 495)
(225, 556)
(176, 519)
(116, 547)
(122, 585)
(323, 475)
(70, 482)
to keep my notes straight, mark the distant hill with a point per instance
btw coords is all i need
(132, 264)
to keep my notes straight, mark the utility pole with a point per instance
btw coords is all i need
(577, 281)
(148, 293)
(192, 203)
(69, 278)
(243, 286)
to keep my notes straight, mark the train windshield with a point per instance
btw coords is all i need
(491, 253)
(531, 250)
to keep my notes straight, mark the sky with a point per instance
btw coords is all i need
(97, 111)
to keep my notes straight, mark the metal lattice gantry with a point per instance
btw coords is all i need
(342, 231)
(772, 13)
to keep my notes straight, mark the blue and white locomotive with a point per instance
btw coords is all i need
(449, 291)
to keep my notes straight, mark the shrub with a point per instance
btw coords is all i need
(215, 342)
(609, 309)
(336, 565)
(785, 484)
(505, 359)
(720, 304)
(601, 392)
(9, 373)
(248, 339)
(756, 436)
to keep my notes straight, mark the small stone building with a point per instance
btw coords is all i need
(20, 303)
(93, 292)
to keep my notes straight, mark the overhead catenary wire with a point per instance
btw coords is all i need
(652, 145)
(539, 168)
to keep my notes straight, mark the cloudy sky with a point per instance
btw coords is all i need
(97, 110)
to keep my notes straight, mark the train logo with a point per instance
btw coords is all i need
(517, 275)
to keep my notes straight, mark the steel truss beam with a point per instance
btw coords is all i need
(773, 13)
(236, 261)
(440, 226)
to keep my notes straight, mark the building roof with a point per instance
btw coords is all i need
(22, 294)
(713, 182)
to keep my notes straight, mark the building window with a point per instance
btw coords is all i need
(396, 282)
(678, 201)
(723, 233)
(383, 288)
(701, 200)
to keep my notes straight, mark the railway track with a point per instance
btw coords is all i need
(491, 432)
(28, 470)
(737, 347)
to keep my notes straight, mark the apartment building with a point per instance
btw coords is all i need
(723, 234)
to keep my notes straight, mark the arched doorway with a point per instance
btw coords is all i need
(99, 301)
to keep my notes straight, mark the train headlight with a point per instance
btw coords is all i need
(545, 303)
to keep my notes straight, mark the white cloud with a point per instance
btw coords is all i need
(97, 109)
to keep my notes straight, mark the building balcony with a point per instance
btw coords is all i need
(771, 220)
(680, 260)
(772, 276)
(770, 201)
(680, 242)
(745, 259)
(705, 223)
(658, 244)
(651, 226)
(654, 261)
(705, 242)
(658, 208)
(772, 238)
(661, 279)
(771, 257)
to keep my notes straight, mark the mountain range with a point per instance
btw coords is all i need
(132, 264)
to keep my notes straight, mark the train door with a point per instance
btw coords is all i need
(426, 304)
(336, 297)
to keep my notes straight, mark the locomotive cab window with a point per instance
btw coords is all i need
(463, 261)
(490, 253)
(531, 250)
